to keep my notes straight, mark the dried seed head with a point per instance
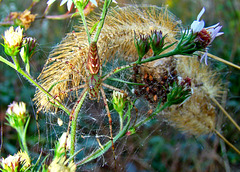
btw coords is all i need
(116, 38)
(197, 115)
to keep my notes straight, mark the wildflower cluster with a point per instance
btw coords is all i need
(197, 38)
(17, 162)
(161, 81)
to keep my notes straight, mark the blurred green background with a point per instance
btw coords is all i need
(159, 148)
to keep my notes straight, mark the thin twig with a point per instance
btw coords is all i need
(226, 141)
(222, 60)
(225, 112)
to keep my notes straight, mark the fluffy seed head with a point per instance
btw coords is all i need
(68, 59)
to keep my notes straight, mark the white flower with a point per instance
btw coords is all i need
(69, 3)
(205, 36)
(17, 109)
(198, 25)
(13, 37)
(214, 31)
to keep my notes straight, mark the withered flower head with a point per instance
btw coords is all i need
(23, 19)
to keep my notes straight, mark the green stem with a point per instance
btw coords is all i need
(170, 53)
(102, 19)
(20, 139)
(126, 82)
(121, 119)
(81, 12)
(15, 60)
(23, 140)
(74, 123)
(31, 80)
(27, 67)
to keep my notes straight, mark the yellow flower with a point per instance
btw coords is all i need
(13, 38)
(62, 165)
(16, 162)
(11, 162)
(24, 158)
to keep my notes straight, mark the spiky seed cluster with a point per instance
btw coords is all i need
(68, 59)
(196, 115)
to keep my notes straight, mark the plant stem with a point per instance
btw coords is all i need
(226, 141)
(225, 112)
(170, 53)
(22, 138)
(15, 60)
(81, 12)
(27, 67)
(102, 19)
(222, 60)
(74, 121)
(121, 119)
(80, 6)
(32, 81)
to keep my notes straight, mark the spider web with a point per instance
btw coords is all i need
(152, 143)
(92, 124)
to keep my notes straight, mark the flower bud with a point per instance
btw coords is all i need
(12, 40)
(142, 45)
(11, 163)
(27, 50)
(118, 101)
(16, 114)
(180, 91)
(156, 42)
